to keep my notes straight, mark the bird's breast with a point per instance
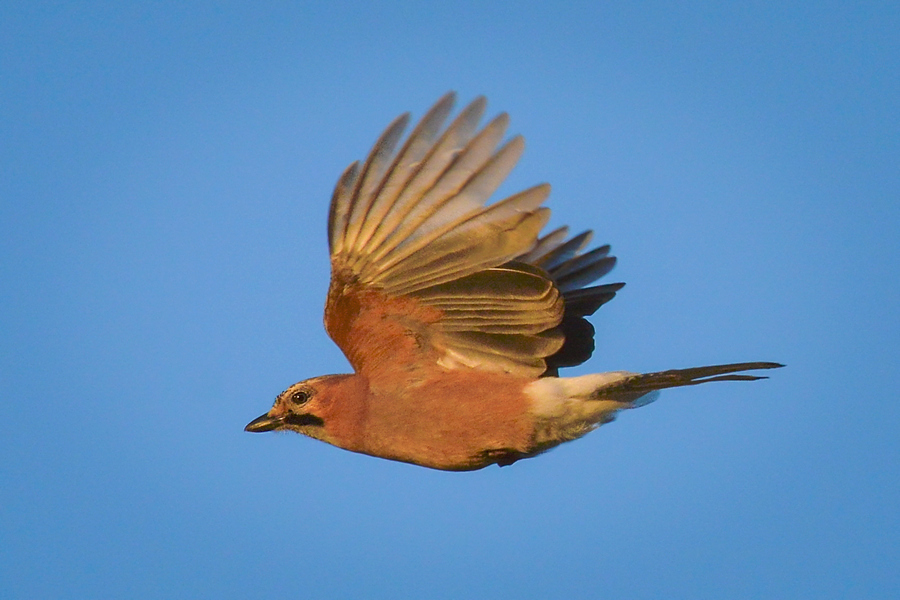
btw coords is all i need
(459, 420)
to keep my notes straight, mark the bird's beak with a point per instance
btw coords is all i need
(263, 423)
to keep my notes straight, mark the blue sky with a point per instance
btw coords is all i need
(165, 178)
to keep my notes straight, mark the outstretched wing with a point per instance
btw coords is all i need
(424, 273)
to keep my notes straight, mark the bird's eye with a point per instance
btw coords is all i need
(300, 397)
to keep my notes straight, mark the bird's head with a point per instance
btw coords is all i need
(321, 407)
(303, 408)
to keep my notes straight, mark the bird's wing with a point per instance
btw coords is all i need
(423, 273)
(571, 270)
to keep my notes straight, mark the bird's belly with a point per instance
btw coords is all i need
(457, 423)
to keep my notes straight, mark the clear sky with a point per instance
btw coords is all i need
(165, 174)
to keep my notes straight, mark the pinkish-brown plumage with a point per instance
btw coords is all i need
(456, 316)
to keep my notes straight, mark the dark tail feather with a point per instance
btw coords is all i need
(638, 385)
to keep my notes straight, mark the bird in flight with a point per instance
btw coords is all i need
(456, 316)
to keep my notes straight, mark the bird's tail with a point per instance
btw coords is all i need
(632, 386)
(569, 407)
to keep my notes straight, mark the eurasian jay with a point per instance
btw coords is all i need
(457, 316)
